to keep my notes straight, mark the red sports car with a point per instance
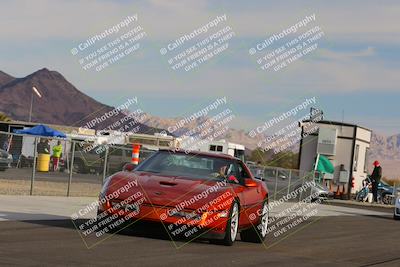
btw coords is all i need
(192, 194)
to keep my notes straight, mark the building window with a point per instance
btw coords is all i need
(366, 159)
(212, 148)
(219, 148)
(356, 152)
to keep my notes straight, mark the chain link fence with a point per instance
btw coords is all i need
(28, 165)
(281, 181)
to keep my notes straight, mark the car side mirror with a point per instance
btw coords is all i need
(128, 167)
(259, 178)
(248, 182)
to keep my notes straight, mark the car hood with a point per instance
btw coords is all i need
(320, 188)
(169, 190)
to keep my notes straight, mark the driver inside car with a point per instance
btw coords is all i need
(227, 172)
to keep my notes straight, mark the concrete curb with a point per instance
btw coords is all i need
(357, 203)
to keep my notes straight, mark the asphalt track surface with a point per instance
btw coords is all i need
(356, 240)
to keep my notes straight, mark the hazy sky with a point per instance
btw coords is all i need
(355, 69)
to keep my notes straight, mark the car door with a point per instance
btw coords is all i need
(252, 196)
(237, 186)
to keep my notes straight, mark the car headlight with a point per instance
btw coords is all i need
(398, 200)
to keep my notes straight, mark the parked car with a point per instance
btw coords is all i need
(396, 214)
(92, 162)
(5, 160)
(386, 193)
(314, 192)
(215, 194)
(321, 191)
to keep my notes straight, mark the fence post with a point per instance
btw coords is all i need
(71, 168)
(276, 183)
(290, 178)
(34, 165)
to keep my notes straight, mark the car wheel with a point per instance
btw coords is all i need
(232, 226)
(386, 199)
(257, 233)
(396, 217)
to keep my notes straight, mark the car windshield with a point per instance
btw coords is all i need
(188, 165)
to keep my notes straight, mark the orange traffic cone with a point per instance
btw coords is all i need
(337, 191)
(135, 154)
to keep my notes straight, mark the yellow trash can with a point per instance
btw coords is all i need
(43, 162)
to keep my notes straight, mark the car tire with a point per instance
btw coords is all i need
(232, 226)
(396, 217)
(386, 199)
(257, 233)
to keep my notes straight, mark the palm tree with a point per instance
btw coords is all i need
(4, 117)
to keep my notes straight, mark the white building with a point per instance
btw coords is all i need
(345, 145)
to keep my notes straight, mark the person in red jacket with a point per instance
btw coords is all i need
(376, 178)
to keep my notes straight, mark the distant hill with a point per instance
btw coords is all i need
(233, 135)
(383, 147)
(62, 103)
(387, 151)
(5, 78)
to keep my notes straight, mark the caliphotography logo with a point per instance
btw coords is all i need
(199, 132)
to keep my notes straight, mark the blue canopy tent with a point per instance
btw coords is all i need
(42, 130)
(43, 149)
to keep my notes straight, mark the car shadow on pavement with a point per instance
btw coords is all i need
(146, 229)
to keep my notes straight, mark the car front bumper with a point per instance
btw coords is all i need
(325, 195)
(397, 207)
(5, 163)
(208, 224)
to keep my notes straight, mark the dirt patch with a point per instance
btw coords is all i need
(46, 188)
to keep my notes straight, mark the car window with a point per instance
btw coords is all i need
(189, 165)
(232, 170)
(242, 171)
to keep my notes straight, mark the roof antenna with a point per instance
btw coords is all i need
(342, 119)
(342, 115)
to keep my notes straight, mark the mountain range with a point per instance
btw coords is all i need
(61, 102)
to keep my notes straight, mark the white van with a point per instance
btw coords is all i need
(224, 147)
